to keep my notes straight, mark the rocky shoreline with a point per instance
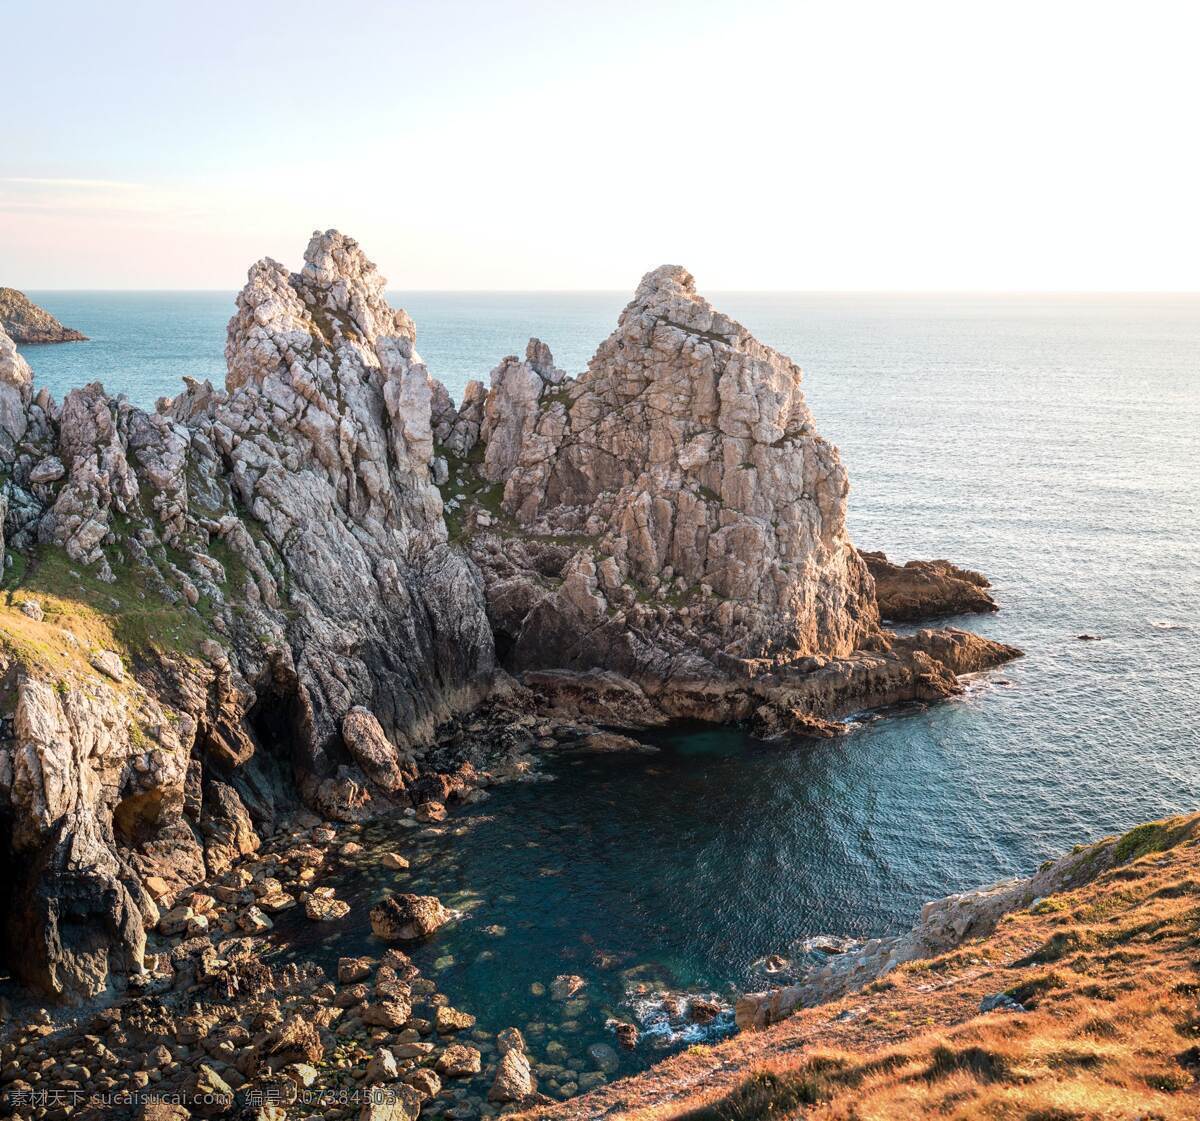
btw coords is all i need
(235, 629)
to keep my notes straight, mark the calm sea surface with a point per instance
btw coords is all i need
(1053, 442)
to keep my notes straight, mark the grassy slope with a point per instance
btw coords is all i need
(1110, 973)
(83, 615)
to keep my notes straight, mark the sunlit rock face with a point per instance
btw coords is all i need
(325, 438)
(684, 487)
(316, 625)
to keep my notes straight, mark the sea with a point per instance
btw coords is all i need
(1050, 441)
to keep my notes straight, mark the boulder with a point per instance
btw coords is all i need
(566, 985)
(424, 1081)
(604, 1058)
(350, 970)
(514, 1079)
(392, 1013)
(408, 917)
(373, 751)
(295, 1041)
(382, 1067)
(447, 1019)
(321, 906)
(510, 1039)
(459, 1061)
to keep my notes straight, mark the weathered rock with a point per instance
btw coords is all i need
(108, 662)
(510, 1039)
(382, 1067)
(226, 826)
(207, 1093)
(459, 1061)
(393, 1012)
(627, 1035)
(424, 1081)
(408, 917)
(254, 920)
(295, 1041)
(27, 323)
(703, 1011)
(350, 970)
(373, 751)
(514, 1079)
(447, 1019)
(921, 590)
(75, 912)
(321, 906)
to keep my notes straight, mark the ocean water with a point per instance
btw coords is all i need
(1052, 442)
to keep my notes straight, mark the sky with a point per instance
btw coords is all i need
(471, 145)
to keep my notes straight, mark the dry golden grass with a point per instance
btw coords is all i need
(83, 615)
(1110, 974)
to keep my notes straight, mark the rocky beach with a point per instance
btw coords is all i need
(241, 629)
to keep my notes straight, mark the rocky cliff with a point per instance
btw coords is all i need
(24, 322)
(300, 588)
(665, 535)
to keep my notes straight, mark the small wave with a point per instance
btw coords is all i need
(665, 1019)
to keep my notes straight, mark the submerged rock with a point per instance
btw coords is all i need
(604, 1058)
(566, 985)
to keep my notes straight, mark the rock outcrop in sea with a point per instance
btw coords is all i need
(327, 586)
(24, 322)
(922, 590)
(665, 536)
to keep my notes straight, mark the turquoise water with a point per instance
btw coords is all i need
(1053, 442)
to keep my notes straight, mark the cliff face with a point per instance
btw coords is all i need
(290, 590)
(24, 322)
(686, 460)
(665, 535)
(289, 531)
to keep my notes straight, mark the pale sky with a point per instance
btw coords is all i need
(837, 145)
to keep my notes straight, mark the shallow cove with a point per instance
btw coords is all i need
(681, 869)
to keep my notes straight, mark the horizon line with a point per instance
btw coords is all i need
(720, 291)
